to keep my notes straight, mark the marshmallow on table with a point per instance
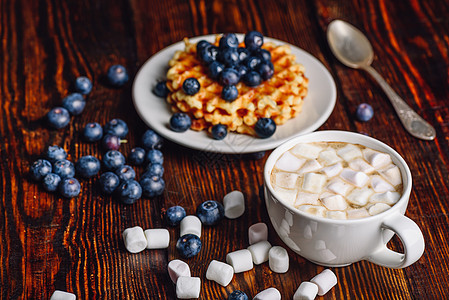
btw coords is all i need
(285, 180)
(134, 239)
(278, 259)
(358, 179)
(257, 232)
(360, 197)
(190, 224)
(289, 163)
(378, 208)
(307, 150)
(178, 268)
(157, 238)
(240, 260)
(259, 251)
(325, 281)
(220, 272)
(387, 197)
(234, 204)
(60, 295)
(188, 287)
(268, 294)
(306, 291)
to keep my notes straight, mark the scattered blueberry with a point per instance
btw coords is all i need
(191, 86)
(40, 168)
(229, 56)
(58, 117)
(154, 157)
(83, 85)
(219, 131)
(174, 215)
(74, 103)
(129, 191)
(55, 153)
(51, 182)
(93, 132)
(229, 93)
(253, 40)
(151, 140)
(152, 186)
(180, 122)
(87, 166)
(109, 182)
(188, 245)
(64, 168)
(266, 70)
(210, 212)
(111, 142)
(238, 295)
(228, 40)
(116, 127)
(154, 170)
(117, 75)
(136, 156)
(364, 112)
(229, 76)
(125, 173)
(69, 187)
(252, 79)
(113, 160)
(161, 89)
(215, 69)
(265, 127)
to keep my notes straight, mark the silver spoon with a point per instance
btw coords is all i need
(353, 49)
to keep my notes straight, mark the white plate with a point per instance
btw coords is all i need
(155, 112)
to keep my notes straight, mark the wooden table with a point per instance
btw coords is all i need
(48, 242)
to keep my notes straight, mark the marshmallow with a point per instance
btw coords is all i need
(310, 166)
(334, 202)
(378, 208)
(286, 195)
(259, 251)
(375, 158)
(257, 232)
(392, 174)
(234, 204)
(188, 287)
(357, 213)
(134, 239)
(190, 224)
(356, 178)
(306, 291)
(157, 238)
(316, 210)
(314, 182)
(306, 198)
(329, 156)
(387, 197)
(220, 272)
(349, 152)
(336, 215)
(325, 281)
(289, 163)
(360, 197)
(333, 170)
(278, 259)
(60, 295)
(268, 294)
(306, 150)
(178, 268)
(338, 186)
(359, 164)
(285, 180)
(240, 260)
(379, 185)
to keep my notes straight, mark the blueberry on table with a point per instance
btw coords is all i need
(252, 79)
(180, 122)
(174, 215)
(111, 142)
(116, 127)
(87, 166)
(64, 168)
(113, 160)
(229, 76)
(255, 155)
(364, 112)
(215, 69)
(125, 173)
(155, 157)
(93, 132)
(265, 127)
(154, 170)
(136, 156)
(188, 245)
(219, 131)
(229, 93)
(210, 212)
(238, 295)
(109, 181)
(55, 153)
(191, 86)
(151, 140)
(253, 40)
(152, 186)
(161, 89)
(129, 191)
(40, 168)
(58, 117)
(266, 70)
(74, 103)
(51, 182)
(228, 40)
(117, 75)
(229, 56)
(69, 187)
(83, 85)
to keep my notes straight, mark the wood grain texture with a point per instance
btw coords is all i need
(48, 243)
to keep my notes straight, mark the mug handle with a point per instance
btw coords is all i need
(412, 240)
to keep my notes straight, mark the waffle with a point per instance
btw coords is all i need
(279, 98)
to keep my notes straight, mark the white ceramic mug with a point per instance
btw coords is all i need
(335, 243)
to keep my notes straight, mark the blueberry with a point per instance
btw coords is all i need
(64, 168)
(210, 212)
(364, 112)
(229, 76)
(129, 191)
(229, 56)
(154, 170)
(256, 155)
(116, 127)
(252, 79)
(243, 53)
(253, 40)
(219, 131)
(69, 187)
(83, 85)
(191, 86)
(228, 40)
(188, 245)
(161, 89)
(252, 62)
(174, 215)
(109, 182)
(87, 166)
(125, 173)
(152, 186)
(238, 295)
(266, 70)
(243, 70)
(180, 122)
(113, 160)
(208, 54)
(117, 75)
(263, 54)
(265, 127)
(51, 182)
(229, 93)
(40, 168)
(151, 140)
(215, 69)
(55, 153)
(136, 156)
(154, 157)
(201, 45)
(93, 132)
(58, 117)
(111, 142)
(74, 103)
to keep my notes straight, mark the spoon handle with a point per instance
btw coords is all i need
(412, 122)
